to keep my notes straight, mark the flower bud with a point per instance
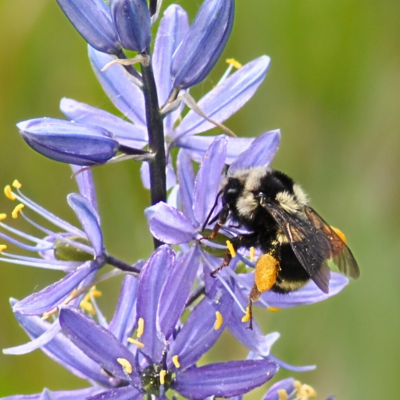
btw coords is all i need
(92, 19)
(203, 44)
(132, 21)
(68, 142)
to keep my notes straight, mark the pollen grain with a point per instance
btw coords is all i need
(219, 320)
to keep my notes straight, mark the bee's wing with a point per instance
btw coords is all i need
(339, 252)
(313, 242)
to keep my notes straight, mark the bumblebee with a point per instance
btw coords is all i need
(295, 241)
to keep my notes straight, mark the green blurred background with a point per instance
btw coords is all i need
(333, 88)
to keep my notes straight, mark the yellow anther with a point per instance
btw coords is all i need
(16, 184)
(2, 247)
(247, 315)
(306, 391)
(163, 373)
(175, 360)
(126, 365)
(338, 232)
(86, 304)
(136, 342)
(274, 309)
(297, 384)
(140, 328)
(282, 394)
(234, 63)
(3, 216)
(252, 253)
(9, 193)
(218, 320)
(231, 249)
(17, 209)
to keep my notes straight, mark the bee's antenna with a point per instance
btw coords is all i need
(211, 211)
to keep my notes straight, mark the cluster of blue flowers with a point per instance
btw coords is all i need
(170, 311)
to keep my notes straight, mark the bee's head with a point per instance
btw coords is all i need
(231, 191)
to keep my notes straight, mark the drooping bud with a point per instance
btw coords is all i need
(92, 19)
(132, 21)
(203, 44)
(68, 142)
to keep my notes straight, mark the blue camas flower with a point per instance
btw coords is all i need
(165, 351)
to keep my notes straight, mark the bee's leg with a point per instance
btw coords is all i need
(222, 218)
(225, 263)
(253, 296)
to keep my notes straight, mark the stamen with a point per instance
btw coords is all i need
(17, 209)
(126, 365)
(9, 193)
(16, 184)
(3, 216)
(231, 249)
(252, 253)
(136, 342)
(306, 391)
(297, 384)
(2, 247)
(234, 63)
(86, 304)
(140, 328)
(282, 394)
(219, 320)
(175, 361)
(247, 317)
(163, 373)
(274, 309)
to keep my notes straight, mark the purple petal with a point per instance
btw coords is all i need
(92, 19)
(286, 384)
(169, 225)
(224, 379)
(196, 146)
(122, 393)
(120, 88)
(126, 133)
(186, 184)
(203, 44)
(152, 278)
(84, 180)
(308, 294)
(37, 342)
(52, 295)
(132, 21)
(62, 351)
(89, 220)
(171, 31)
(176, 290)
(68, 142)
(123, 322)
(260, 153)
(96, 342)
(198, 334)
(208, 179)
(226, 98)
